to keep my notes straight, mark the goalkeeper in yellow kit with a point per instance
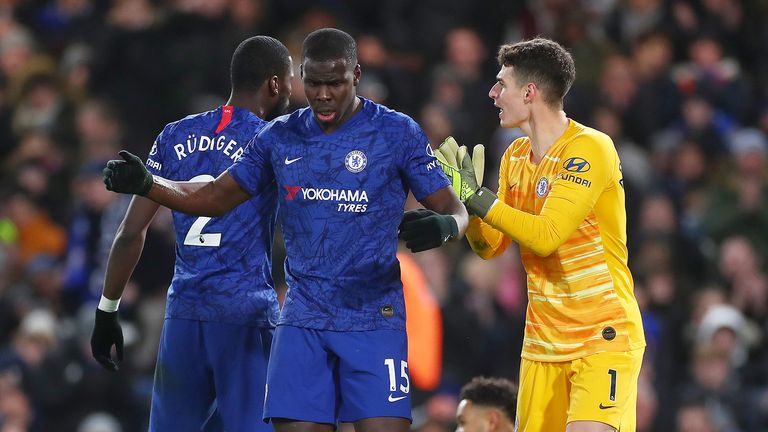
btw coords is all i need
(561, 198)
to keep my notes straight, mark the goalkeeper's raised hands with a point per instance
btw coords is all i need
(466, 175)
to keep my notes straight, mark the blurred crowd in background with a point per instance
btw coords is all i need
(680, 86)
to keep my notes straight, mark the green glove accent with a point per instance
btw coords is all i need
(464, 172)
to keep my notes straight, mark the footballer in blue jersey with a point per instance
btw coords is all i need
(343, 168)
(222, 307)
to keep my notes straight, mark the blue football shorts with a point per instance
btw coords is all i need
(210, 377)
(325, 376)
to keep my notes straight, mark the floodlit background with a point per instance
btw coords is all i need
(680, 86)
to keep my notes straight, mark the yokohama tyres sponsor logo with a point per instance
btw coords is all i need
(348, 200)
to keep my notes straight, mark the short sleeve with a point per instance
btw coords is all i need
(253, 171)
(155, 160)
(420, 168)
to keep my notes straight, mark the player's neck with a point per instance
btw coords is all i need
(544, 128)
(249, 103)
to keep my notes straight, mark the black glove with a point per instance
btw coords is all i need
(107, 332)
(127, 176)
(424, 229)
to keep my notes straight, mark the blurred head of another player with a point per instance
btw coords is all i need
(261, 73)
(487, 405)
(330, 73)
(534, 74)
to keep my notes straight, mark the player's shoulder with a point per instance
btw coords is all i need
(386, 115)
(287, 122)
(589, 141)
(518, 149)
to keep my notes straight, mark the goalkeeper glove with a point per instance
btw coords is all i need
(466, 175)
(128, 175)
(107, 332)
(424, 229)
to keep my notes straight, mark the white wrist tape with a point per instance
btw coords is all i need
(108, 305)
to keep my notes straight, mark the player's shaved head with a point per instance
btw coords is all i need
(497, 393)
(256, 60)
(543, 62)
(330, 44)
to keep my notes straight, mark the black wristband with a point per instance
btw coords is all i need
(481, 202)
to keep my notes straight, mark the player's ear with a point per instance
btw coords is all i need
(273, 86)
(494, 418)
(356, 75)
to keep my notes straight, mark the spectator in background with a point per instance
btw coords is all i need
(694, 416)
(91, 232)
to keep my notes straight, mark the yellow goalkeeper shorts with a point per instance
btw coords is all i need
(600, 387)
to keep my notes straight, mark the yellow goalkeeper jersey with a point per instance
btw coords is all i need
(567, 213)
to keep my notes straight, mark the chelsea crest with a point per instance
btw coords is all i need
(355, 161)
(542, 187)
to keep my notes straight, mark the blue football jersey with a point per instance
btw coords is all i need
(341, 200)
(223, 267)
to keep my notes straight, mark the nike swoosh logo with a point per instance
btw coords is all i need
(395, 399)
(290, 161)
(606, 407)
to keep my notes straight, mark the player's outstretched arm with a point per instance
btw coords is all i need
(213, 198)
(125, 253)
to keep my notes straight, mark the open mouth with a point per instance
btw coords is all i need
(326, 116)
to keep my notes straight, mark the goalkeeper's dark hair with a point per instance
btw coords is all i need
(257, 59)
(543, 62)
(492, 392)
(330, 44)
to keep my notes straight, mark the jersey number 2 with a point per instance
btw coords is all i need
(195, 236)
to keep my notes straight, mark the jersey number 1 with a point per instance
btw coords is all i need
(195, 236)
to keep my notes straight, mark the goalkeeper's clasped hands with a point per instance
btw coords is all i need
(424, 229)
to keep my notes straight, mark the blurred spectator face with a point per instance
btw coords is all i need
(33, 179)
(371, 51)
(750, 294)
(618, 84)
(131, 14)
(608, 122)
(750, 147)
(35, 145)
(694, 419)
(97, 123)
(15, 409)
(247, 13)
(697, 113)
(706, 52)
(447, 91)
(436, 124)
(653, 55)
(465, 51)
(481, 275)
(90, 190)
(737, 258)
(661, 288)
(15, 49)
(657, 215)
(711, 367)
(689, 164)
(704, 300)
